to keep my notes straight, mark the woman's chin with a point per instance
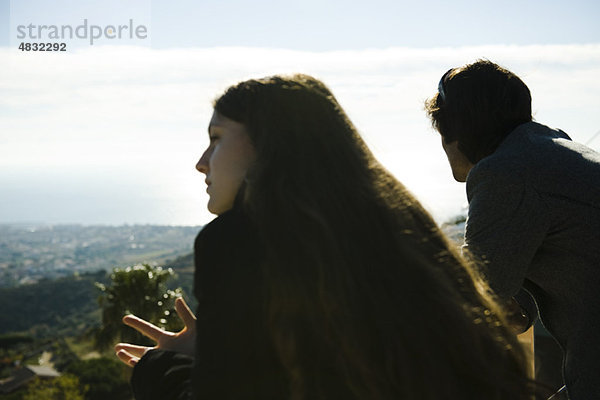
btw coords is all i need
(218, 209)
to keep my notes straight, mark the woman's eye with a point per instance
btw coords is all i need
(213, 138)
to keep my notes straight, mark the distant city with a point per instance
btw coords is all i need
(30, 253)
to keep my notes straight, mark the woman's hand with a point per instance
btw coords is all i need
(183, 341)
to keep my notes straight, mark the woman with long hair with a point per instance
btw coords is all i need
(322, 277)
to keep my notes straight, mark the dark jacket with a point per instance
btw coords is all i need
(235, 358)
(534, 218)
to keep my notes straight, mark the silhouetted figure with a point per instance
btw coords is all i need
(534, 209)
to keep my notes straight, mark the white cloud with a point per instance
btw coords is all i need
(145, 111)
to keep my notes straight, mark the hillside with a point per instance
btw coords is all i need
(68, 306)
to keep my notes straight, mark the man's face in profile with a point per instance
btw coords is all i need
(458, 161)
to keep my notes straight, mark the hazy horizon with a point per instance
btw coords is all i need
(120, 146)
(110, 134)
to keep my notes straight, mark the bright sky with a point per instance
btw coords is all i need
(110, 133)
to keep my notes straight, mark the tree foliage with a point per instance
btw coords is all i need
(140, 290)
(65, 387)
(105, 378)
(10, 340)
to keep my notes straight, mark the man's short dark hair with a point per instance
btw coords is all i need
(479, 105)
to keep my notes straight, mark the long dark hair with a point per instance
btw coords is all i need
(366, 298)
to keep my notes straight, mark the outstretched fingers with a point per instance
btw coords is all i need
(132, 349)
(127, 357)
(145, 327)
(184, 312)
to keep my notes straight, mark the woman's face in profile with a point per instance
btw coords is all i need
(225, 161)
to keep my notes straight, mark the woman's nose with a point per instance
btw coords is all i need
(202, 165)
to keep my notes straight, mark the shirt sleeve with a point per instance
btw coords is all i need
(506, 225)
(162, 375)
(528, 306)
